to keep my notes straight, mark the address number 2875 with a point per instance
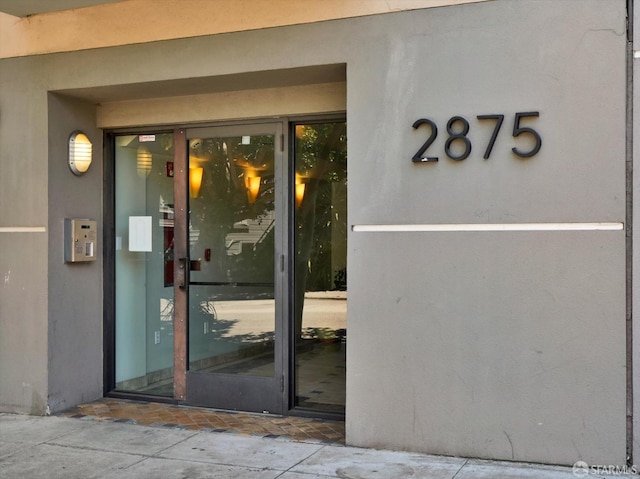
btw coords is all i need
(458, 145)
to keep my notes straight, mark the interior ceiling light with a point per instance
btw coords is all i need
(144, 161)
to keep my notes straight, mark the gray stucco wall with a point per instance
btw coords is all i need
(75, 290)
(492, 344)
(23, 255)
(504, 345)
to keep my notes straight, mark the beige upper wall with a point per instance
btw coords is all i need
(233, 105)
(141, 21)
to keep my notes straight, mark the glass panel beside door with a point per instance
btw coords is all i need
(144, 217)
(320, 244)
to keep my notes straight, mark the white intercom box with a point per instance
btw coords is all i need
(80, 240)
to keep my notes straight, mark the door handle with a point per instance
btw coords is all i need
(183, 272)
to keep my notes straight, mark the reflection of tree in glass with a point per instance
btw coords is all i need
(230, 162)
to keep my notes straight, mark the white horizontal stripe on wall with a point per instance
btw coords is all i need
(23, 229)
(399, 228)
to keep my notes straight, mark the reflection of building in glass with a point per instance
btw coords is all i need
(248, 233)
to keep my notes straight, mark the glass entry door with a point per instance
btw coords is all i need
(232, 275)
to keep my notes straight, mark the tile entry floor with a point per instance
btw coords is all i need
(195, 418)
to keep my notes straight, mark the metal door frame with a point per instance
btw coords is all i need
(227, 391)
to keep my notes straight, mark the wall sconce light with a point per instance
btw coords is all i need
(300, 131)
(252, 183)
(300, 187)
(80, 153)
(195, 181)
(144, 161)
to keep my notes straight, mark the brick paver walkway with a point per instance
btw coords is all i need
(169, 415)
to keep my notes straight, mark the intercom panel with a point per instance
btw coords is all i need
(80, 240)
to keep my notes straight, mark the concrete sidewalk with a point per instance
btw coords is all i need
(67, 448)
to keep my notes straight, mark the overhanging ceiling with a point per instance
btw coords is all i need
(222, 83)
(23, 8)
